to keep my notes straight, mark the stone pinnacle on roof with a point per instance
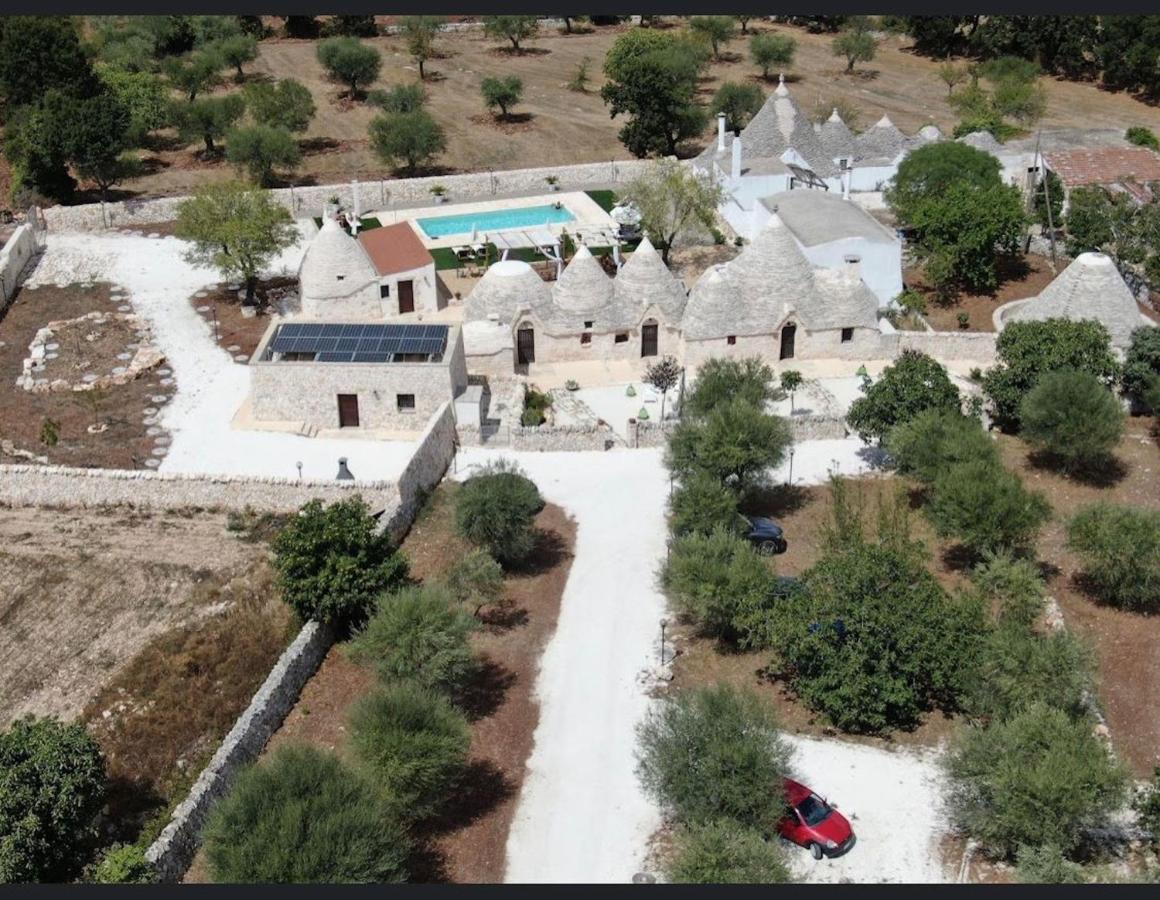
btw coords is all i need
(583, 285)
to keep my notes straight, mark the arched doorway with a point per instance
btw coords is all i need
(525, 345)
(788, 333)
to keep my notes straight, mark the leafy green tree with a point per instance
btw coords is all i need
(1027, 350)
(475, 580)
(673, 201)
(333, 562)
(654, 82)
(712, 753)
(145, 97)
(1119, 547)
(1046, 865)
(503, 92)
(52, 785)
(736, 443)
(281, 104)
(351, 26)
(791, 380)
(927, 172)
(1142, 363)
(301, 26)
(40, 54)
(717, 30)
(770, 49)
(511, 28)
(723, 852)
(301, 816)
(1041, 777)
(1073, 418)
(701, 504)
(856, 43)
(721, 378)
(124, 864)
(98, 136)
(873, 640)
(414, 741)
(407, 141)
(718, 581)
(1142, 136)
(1147, 806)
(986, 507)
(195, 73)
(663, 375)
(937, 36)
(952, 76)
(350, 61)
(1125, 51)
(1054, 195)
(420, 633)
(420, 33)
(912, 384)
(496, 509)
(740, 103)
(236, 51)
(262, 149)
(932, 441)
(37, 143)
(399, 98)
(209, 119)
(1094, 220)
(212, 29)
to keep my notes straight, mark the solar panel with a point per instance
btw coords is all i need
(289, 331)
(333, 357)
(378, 343)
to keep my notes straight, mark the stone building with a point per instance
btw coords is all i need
(405, 268)
(315, 376)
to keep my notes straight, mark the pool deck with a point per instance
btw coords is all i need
(587, 212)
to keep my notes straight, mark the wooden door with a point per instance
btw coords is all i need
(787, 338)
(525, 346)
(406, 296)
(648, 340)
(348, 410)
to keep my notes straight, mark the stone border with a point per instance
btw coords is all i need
(17, 255)
(145, 358)
(174, 849)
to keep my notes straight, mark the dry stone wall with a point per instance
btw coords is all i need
(564, 437)
(305, 202)
(26, 242)
(429, 462)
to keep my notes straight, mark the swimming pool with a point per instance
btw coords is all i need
(494, 220)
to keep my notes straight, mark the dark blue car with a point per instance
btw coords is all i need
(765, 534)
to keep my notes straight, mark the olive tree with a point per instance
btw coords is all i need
(986, 507)
(280, 104)
(724, 852)
(721, 379)
(1119, 547)
(769, 49)
(407, 140)
(349, 60)
(912, 384)
(1073, 418)
(700, 504)
(736, 442)
(673, 201)
(931, 442)
(502, 92)
(496, 510)
(260, 150)
(511, 28)
(420, 32)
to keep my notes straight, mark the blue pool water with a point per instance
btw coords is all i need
(494, 220)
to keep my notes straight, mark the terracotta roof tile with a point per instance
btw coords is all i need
(1104, 165)
(394, 248)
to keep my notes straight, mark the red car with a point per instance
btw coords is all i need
(811, 822)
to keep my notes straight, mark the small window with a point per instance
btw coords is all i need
(847, 335)
(405, 402)
(731, 340)
(587, 324)
(340, 277)
(622, 338)
(844, 163)
(586, 338)
(384, 291)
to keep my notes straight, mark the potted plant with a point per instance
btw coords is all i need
(333, 205)
(553, 182)
(572, 384)
(439, 192)
(964, 319)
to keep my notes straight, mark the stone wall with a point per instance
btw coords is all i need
(563, 437)
(174, 850)
(22, 485)
(307, 202)
(818, 428)
(25, 243)
(974, 346)
(429, 462)
(649, 433)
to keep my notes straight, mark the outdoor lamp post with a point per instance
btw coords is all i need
(790, 481)
(664, 624)
(299, 465)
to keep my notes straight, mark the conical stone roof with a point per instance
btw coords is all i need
(644, 280)
(583, 286)
(334, 265)
(836, 138)
(508, 288)
(883, 140)
(1090, 288)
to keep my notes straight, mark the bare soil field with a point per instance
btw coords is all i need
(467, 842)
(1019, 279)
(222, 310)
(124, 444)
(560, 126)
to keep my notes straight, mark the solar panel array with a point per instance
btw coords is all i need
(359, 343)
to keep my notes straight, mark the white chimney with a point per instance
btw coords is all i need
(846, 175)
(720, 132)
(853, 266)
(356, 212)
(735, 171)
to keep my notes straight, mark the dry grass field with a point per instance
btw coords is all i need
(559, 126)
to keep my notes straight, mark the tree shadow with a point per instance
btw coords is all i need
(862, 75)
(959, 558)
(485, 692)
(496, 619)
(481, 787)
(777, 499)
(516, 118)
(549, 551)
(130, 802)
(874, 456)
(1105, 472)
(426, 863)
(315, 145)
(729, 56)
(523, 51)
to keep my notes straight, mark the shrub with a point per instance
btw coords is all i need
(496, 510)
(712, 753)
(349, 60)
(52, 785)
(262, 150)
(736, 443)
(1046, 865)
(914, 383)
(301, 816)
(535, 405)
(1013, 586)
(723, 852)
(873, 641)
(475, 580)
(1142, 137)
(1119, 547)
(986, 507)
(1146, 803)
(701, 504)
(936, 439)
(502, 93)
(124, 864)
(282, 104)
(1073, 418)
(1041, 777)
(1142, 365)
(414, 741)
(769, 49)
(399, 98)
(420, 633)
(721, 379)
(407, 141)
(719, 581)
(333, 562)
(1028, 350)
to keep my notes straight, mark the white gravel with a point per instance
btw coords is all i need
(210, 385)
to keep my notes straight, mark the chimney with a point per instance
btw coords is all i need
(846, 174)
(735, 170)
(354, 199)
(344, 473)
(852, 266)
(720, 132)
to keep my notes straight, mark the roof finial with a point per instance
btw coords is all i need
(781, 88)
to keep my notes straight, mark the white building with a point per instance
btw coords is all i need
(405, 268)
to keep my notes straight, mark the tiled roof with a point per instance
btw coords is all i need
(1104, 165)
(394, 248)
